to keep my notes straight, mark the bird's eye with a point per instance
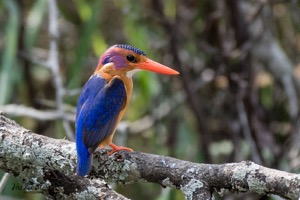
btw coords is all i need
(131, 58)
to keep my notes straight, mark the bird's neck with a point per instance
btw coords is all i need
(108, 72)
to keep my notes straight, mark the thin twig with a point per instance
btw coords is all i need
(160, 112)
(246, 130)
(157, 114)
(52, 104)
(43, 115)
(3, 181)
(54, 66)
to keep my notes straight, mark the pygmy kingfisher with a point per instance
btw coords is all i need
(105, 98)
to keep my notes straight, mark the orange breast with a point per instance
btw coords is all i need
(128, 86)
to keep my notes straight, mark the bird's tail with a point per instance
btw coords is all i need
(84, 163)
(84, 158)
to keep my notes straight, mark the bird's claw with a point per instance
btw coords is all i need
(117, 148)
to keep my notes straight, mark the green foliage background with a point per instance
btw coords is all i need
(195, 115)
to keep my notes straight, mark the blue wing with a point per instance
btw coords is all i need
(90, 89)
(99, 109)
(97, 112)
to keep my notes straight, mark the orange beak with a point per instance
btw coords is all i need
(153, 66)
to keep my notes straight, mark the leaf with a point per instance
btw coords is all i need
(9, 54)
(34, 22)
(87, 29)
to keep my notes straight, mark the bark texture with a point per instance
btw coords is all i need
(47, 165)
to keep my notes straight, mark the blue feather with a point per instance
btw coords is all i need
(84, 158)
(98, 108)
(89, 91)
(106, 60)
(131, 48)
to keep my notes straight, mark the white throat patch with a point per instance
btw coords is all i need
(131, 72)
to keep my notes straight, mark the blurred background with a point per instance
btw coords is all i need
(237, 97)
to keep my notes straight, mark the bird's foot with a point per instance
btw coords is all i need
(116, 148)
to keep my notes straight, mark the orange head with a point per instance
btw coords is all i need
(127, 59)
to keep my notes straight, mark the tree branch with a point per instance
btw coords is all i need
(47, 165)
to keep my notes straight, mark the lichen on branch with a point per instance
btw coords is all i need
(47, 165)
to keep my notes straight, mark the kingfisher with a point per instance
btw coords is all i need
(105, 98)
